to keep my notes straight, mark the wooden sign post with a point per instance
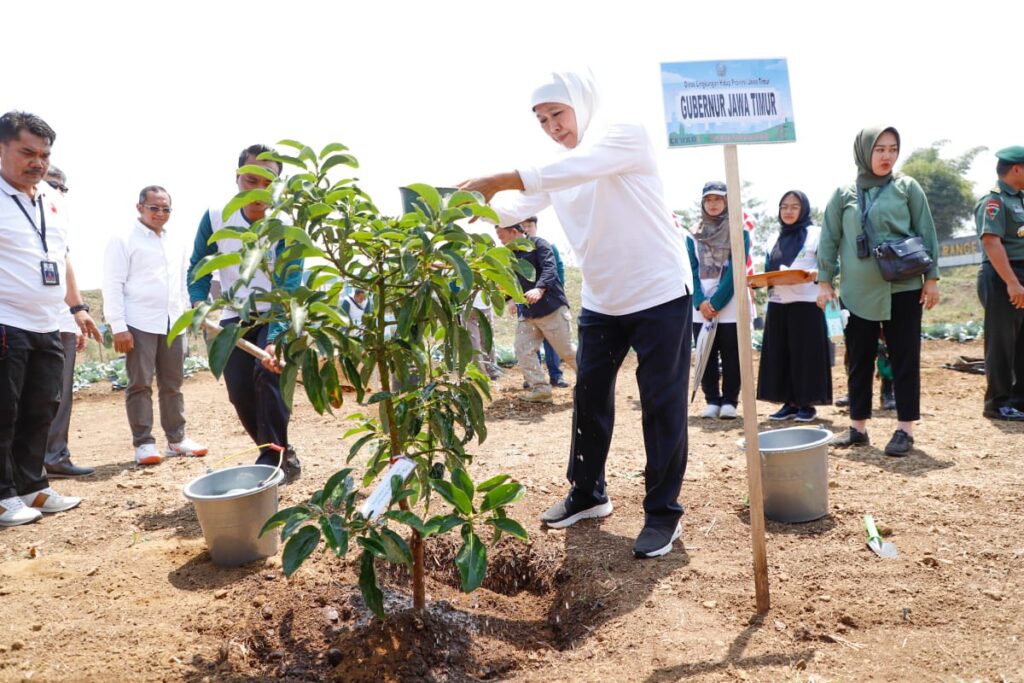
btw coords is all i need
(726, 102)
(747, 378)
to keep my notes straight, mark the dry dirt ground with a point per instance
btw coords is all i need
(122, 588)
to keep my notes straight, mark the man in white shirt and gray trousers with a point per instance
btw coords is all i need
(144, 293)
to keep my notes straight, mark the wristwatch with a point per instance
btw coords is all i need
(79, 307)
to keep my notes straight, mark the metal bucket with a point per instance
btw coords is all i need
(794, 473)
(232, 505)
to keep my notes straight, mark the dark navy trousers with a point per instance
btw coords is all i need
(255, 392)
(661, 338)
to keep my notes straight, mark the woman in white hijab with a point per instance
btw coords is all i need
(605, 188)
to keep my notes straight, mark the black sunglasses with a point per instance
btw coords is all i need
(57, 185)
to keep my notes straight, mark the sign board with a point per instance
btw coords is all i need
(740, 101)
(959, 251)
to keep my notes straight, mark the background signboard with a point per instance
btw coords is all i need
(740, 101)
(959, 251)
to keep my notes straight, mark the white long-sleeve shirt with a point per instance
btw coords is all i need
(608, 196)
(144, 280)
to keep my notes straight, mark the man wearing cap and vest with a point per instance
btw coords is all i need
(253, 385)
(1000, 220)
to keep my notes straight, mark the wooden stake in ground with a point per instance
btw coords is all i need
(741, 292)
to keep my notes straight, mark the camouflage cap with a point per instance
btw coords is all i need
(1011, 155)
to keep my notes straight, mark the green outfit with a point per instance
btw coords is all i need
(900, 210)
(1001, 213)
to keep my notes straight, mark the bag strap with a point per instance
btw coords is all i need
(864, 220)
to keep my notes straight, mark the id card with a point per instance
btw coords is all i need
(51, 275)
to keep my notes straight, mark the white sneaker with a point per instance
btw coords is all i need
(186, 447)
(728, 412)
(148, 454)
(49, 500)
(710, 411)
(15, 512)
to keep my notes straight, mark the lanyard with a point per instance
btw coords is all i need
(41, 230)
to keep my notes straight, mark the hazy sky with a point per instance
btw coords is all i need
(168, 93)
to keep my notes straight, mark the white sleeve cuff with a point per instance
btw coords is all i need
(530, 178)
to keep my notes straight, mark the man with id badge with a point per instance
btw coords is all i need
(36, 282)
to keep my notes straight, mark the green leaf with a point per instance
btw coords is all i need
(252, 258)
(471, 561)
(296, 521)
(241, 234)
(359, 444)
(335, 534)
(502, 495)
(222, 346)
(379, 396)
(441, 524)
(298, 548)
(215, 262)
(289, 376)
(338, 485)
(372, 594)
(408, 518)
(336, 159)
(461, 479)
(455, 496)
(332, 147)
(246, 198)
(465, 274)
(372, 544)
(293, 234)
(180, 324)
(395, 548)
(261, 171)
(281, 516)
(492, 482)
(510, 526)
(429, 194)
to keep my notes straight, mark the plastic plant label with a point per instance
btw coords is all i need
(380, 499)
(835, 321)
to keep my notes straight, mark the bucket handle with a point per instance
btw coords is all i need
(273, 446)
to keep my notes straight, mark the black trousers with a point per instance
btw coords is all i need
(256, 394)
(903, 336)
(795, 366)
(1004, 340)
(31, 364)
(57, 440)
(726, 349)
(661, 337)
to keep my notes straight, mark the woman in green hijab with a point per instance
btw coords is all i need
(896, 208)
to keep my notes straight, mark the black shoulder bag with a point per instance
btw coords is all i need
(897, 259)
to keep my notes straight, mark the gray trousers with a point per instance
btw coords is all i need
(57, 439)
(556, 327)
(151, 356)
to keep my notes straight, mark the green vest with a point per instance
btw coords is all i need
(1001, 213)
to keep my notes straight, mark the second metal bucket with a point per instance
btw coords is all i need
(232, 505)
(794, 473)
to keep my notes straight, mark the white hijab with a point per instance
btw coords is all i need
(574, 89)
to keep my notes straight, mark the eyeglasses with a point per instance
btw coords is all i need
(790, 207)
(60, 187)
(157, 209)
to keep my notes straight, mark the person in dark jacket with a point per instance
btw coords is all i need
(545, 316)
